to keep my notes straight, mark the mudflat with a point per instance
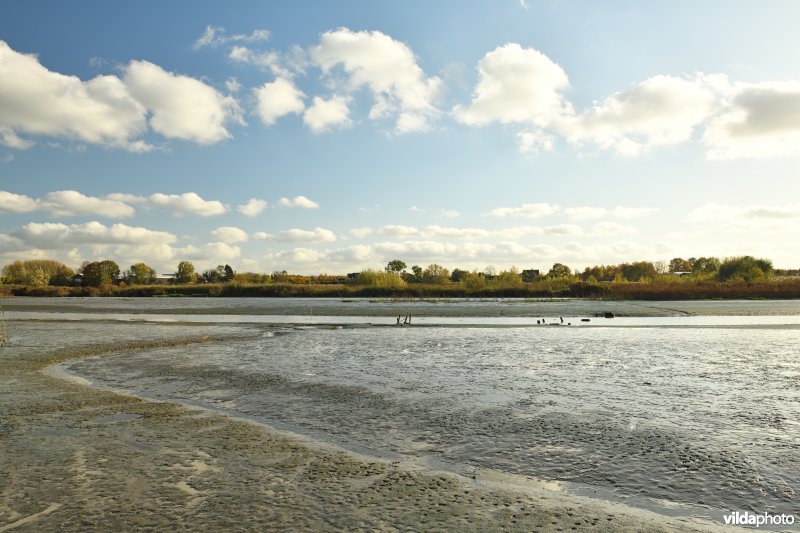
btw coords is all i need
(76, 457)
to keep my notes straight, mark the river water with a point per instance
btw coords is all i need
(681, 407)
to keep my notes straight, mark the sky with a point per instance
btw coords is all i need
(330, 137)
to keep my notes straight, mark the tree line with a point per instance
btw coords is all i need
(396, 274)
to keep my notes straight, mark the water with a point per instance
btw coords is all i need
(677, 413)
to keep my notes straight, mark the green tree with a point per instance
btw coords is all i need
(746, 268)
(214, 275)
(396, 266)
(228, 274)
(381, 279)
(185, 272)
(140, 274)
(559, 270)
(508, 278)
(457, 275)
(37, 272)
(679, 264)
(101, 273)
(704, 265)
(436, 274)
(638, 271)
(474, 280)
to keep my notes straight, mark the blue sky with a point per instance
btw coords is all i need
(331, 137)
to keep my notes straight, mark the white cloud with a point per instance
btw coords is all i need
(37, 101)
(588, 213)
(60, 236)
(16, 203)
(73, 203)
(606, 229)
(301, 235)
(759, 120)
(278, 98)
(323, 114)
(449, 213)
(532, 142)
(298, 201)
(189, 202)
(516, 85)
(712, 211)
(263, 236)
(355, 253)
(66, 203)
(659, 111)
(253, 207)
(524, 211)
(387, 68)
(230, 234)
(360, 233)
(397, 230)
(214, 253)
(564, 229)
(127, 198)
(214, 36)
(269, 60)
(182, 107)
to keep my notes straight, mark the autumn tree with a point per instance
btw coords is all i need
(140, 274)
(746, 268)
(679, 265)
(185, 272)
(638, 271)
(101, 273)
(559, 270)
(396, 266)
(436, 274)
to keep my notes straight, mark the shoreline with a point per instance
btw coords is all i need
(69, 446)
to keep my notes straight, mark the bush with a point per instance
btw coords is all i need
(380, 279)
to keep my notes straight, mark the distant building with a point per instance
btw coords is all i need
(164, 279)
(531, 274)
(76, 280)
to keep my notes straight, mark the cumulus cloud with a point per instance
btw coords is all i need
(659, 111)
(269, 60)
(398, 230)
(516, 85)
(253, 207)
(564, 229)
(59, 236)
(324, 115)
(360, 233)
(758, 120)
(588, 213)
(449, 213)
(189, 202)
(230, 234)
(713, 211)
(279, 98)
(107, 110)
(215, 36)
(301, 235)
(524, 211)
(73, 203)
(606, 229)
(181, 107)
(37, 101)
(298, 201)
(213, 252)
(16, 203)
(65, 203)
(263, 236)
(387, 68)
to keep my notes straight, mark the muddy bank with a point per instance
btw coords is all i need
(78, 458)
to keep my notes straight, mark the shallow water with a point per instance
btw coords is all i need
(688, 412)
